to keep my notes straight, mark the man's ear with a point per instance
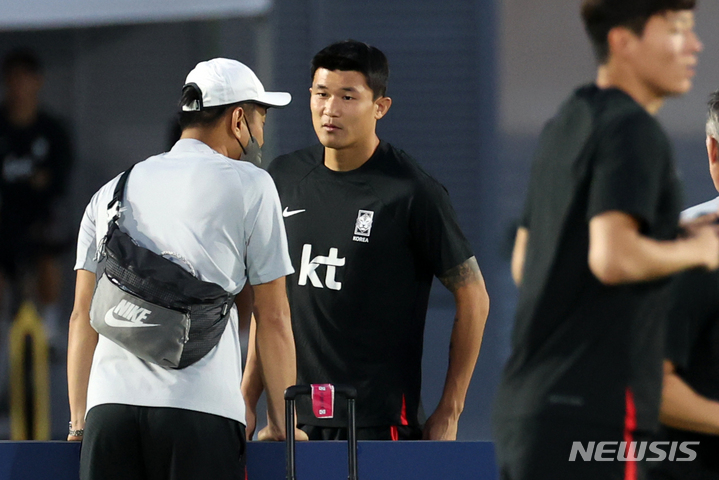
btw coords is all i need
(712, 150)
(382, 105)
(238, 113)
(713, 155)
(619, 40)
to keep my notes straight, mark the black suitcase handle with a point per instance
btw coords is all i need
(347, 391)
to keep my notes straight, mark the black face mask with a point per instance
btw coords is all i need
(253, 152)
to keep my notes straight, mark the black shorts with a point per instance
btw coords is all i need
(541, 449)
(400, 432)
(155, 443)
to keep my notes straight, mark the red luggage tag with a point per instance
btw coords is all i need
(323, 400)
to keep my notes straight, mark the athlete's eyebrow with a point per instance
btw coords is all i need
(320, 86)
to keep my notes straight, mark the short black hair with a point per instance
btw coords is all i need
(600, 16)
(354, 56)
(206, 117)
(21, 58)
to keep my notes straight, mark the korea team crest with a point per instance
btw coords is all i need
(363, 227)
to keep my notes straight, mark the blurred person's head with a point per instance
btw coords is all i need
(712, 140)
(22, 80)
(348, 93)
(650, 44)
(224, 104)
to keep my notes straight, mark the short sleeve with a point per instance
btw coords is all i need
(693, 293)
(436, 234)
(268, 257)
(628, 168)
(87, 240)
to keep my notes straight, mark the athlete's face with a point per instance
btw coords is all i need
(665, 56)
(344, 112)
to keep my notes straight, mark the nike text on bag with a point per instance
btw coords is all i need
(151, 306)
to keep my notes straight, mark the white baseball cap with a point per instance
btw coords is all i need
(223, 81)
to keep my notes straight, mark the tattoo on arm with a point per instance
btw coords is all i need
(464, 274)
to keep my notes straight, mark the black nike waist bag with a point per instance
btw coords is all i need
(152, 306)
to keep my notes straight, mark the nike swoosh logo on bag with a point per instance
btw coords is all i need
(287, 213)
(113, 321)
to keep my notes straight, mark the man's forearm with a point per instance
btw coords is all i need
(465, 343)
(252, 385)
(82, 340)
(619, 253)
(519, 254)
(276, 354)
(685, 409)
(275, 350)
(470, 295)
(651, 259)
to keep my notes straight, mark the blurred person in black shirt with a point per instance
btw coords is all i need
(598, 241)
(35, 161)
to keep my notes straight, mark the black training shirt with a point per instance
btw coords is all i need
(365, 245)
(693, 338)
(582, 350)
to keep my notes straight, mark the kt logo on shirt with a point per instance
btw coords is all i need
(309, 265)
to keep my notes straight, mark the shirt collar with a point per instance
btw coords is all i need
(186, 145)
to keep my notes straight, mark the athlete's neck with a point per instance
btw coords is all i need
(213, 138)
(352, 157)
(613, 76)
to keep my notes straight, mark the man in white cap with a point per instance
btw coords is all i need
(222, 216)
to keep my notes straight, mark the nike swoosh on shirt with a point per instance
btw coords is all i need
(287, 213)
(112, 321)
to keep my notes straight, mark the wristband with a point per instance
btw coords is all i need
(75, 433)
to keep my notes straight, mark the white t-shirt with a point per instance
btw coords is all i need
(222, 216)
(712, 206)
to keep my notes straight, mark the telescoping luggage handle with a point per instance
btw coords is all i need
(350, 393)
